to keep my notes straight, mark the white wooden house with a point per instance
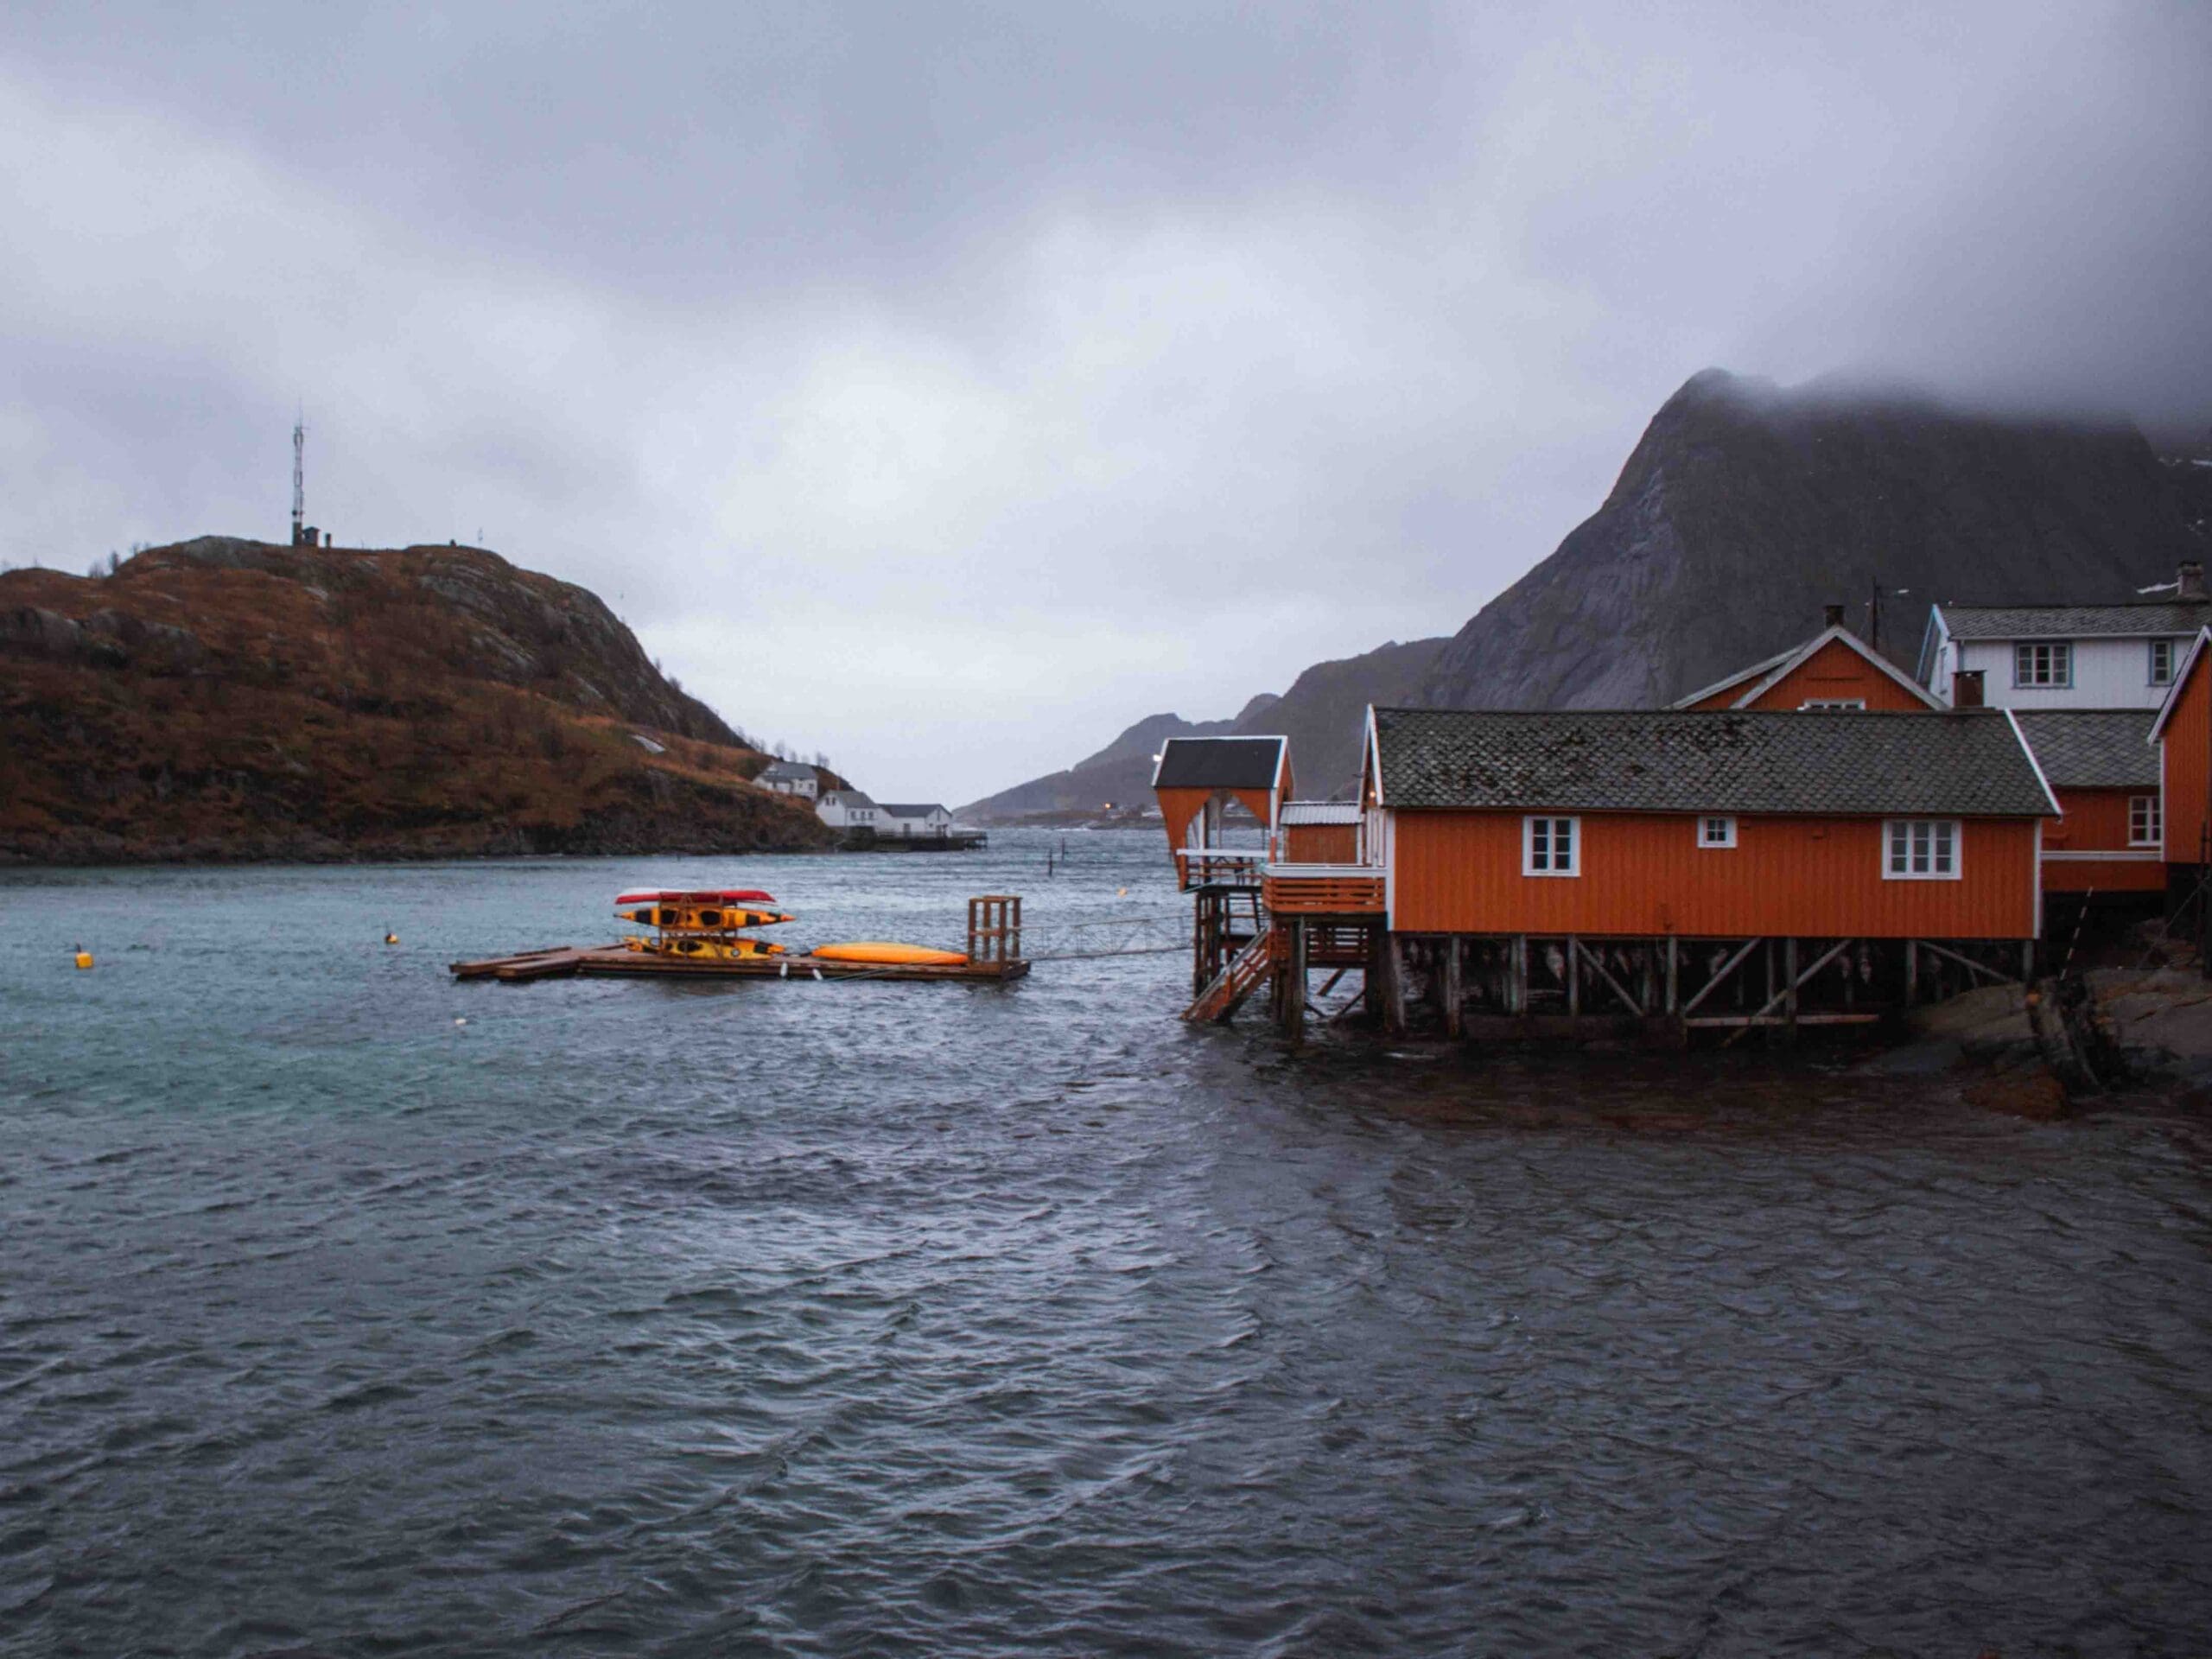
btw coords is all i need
(2122, 656)
(850, 808)
(791, 778)
(915, 820)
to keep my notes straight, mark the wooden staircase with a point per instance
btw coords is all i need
(1247, 970)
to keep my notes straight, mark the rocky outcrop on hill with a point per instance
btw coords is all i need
(1745, 508)
(229, 699)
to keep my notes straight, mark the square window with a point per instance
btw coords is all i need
(2145, 821)
(1716, 832)
(2161, 662)
(1551, 846)
(2044, 664)
(1922, 849)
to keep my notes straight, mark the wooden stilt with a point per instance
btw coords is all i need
(1911, 973)
(1393, 985)
(1517, 976)
(1293, 983)
(1790, 997)
(1674, 975)
(1573, 979)
(1452, 1022)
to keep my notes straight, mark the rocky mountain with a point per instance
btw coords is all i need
(1117, 778)
(1743, 510)
(231, 699)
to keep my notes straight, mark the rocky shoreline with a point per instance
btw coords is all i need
(2049, 1050)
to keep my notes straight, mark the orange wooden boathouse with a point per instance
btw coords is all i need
(1525, 872)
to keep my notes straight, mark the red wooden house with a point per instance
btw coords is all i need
(2183, 732)
(1692, 867)
(2103, 769)
(1833, 670)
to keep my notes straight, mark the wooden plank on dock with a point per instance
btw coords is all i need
(617, 960)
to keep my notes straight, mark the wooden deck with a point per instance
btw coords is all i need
(564, 961)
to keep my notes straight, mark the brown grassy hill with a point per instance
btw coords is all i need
(227, 699)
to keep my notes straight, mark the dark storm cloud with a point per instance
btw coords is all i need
(1035, 368)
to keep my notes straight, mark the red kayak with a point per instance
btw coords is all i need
(707, 896)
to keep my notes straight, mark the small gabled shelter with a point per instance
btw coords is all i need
(1833, 670)
(1320, 832)
(2103, 768)
(1196, 778)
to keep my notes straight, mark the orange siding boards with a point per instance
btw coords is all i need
(1320, 843)
(2187, 743)
(1643, 874)
(2096, 821)
(1834, 672)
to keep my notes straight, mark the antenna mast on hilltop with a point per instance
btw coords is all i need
(298, 475)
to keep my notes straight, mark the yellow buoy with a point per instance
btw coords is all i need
(391, 938)
(84, 957)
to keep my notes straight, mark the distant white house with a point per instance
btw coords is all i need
(2029, 656)
(850, 808)
(915, 819)
(791, 778)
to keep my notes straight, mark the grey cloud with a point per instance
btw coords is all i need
(1026, 367)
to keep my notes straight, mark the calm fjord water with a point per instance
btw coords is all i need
(630, 1318)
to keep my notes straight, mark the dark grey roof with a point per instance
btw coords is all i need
(2093, 748)
(2073, 622)
(1968, 763)
(1219, 763)
(912, 808)
(787, 769)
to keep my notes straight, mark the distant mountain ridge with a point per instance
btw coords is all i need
(1743, 510)
(224, 699)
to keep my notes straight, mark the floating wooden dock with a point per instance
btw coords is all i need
(994, 956)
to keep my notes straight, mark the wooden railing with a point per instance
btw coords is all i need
(1247, 970)
(1322, 890)
(1200, 867)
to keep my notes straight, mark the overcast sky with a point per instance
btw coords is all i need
(947, 386)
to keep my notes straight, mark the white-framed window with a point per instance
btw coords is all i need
(1551, 846)
(2145, 821)
(2163, 653)
(1716, 832)
(1814, 704)
(2044, 662)
(1920, 849)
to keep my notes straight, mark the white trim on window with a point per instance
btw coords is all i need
(2043, 664)
(1551, 846)
(1920, 849)
(1716, 830)
(2164, 654)
(2145, 821)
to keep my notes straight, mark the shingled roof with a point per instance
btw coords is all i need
(1219, 763)
(2074, 621)
(1968, 763)
(2093, 748)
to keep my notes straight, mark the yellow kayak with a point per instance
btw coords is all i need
(881, 950)
(727, 949)
(708, 918)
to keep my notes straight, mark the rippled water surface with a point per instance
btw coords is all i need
(632, 1318)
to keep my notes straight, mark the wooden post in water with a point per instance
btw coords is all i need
(1294, 982)
(1516, 980)
(1452, 1023)
(1393, 985)
(1790, 1000)
(1573, 979)
(1911, 973)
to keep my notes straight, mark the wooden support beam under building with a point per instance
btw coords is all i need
(1452, 1011)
